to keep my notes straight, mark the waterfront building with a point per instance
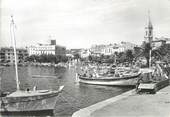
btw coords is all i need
(51, 48)
(124, 46)
(112, 48)
(96, 50)
(85, 53)
(7, 54)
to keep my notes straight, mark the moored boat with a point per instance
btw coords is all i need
(107, 76)
(113, 81)
(25, 96)
(29, 100)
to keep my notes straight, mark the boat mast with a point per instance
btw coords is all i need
(12, 31)
(115, 59)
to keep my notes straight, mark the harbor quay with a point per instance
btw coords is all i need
(82, 81)
(130, 104)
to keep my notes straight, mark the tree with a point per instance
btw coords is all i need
(48, 58)
(32, 58)
(76, 56)
(145, 51)
(129, 56)
(90, 58)
(121, 57)
(158, 53)
(167, 58)
(137, 50)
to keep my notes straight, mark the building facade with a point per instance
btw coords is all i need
(7, 54)
(96, 50)
(112, 48)
(85, 53)
(124, 46)
(52, 49)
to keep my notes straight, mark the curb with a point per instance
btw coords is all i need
(86, 112)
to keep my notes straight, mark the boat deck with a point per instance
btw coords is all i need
(28, 93)
(111, 77)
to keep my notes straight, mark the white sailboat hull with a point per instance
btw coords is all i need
(25, 96)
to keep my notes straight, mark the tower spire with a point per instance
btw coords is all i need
(149, 36)
(149, 30)
(149, 15)
(149, 20)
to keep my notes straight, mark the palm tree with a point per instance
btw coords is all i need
(158, 53)
(145, 51)
(129, 56)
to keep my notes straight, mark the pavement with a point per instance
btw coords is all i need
(130, 104)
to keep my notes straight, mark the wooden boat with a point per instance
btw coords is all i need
(127, 80)
(25, 96)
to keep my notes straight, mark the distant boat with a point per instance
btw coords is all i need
(46, 76)
(5, 64)
(27, 96)
(22, 64)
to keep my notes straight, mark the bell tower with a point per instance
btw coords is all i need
(149, 30)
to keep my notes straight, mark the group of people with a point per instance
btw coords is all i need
(160, 72)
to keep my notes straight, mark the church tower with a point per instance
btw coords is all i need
(149, 30)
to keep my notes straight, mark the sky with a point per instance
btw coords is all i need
(82, 23)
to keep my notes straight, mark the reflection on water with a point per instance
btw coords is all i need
(74, 96)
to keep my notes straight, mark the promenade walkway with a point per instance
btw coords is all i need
(130, 104)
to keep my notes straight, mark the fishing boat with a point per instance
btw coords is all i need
(121, 79)
(29, 100)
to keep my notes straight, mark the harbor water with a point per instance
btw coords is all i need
(75, 95)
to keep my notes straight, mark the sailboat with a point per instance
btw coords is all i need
(28, 97)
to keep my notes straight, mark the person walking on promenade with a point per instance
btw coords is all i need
(140, 80)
